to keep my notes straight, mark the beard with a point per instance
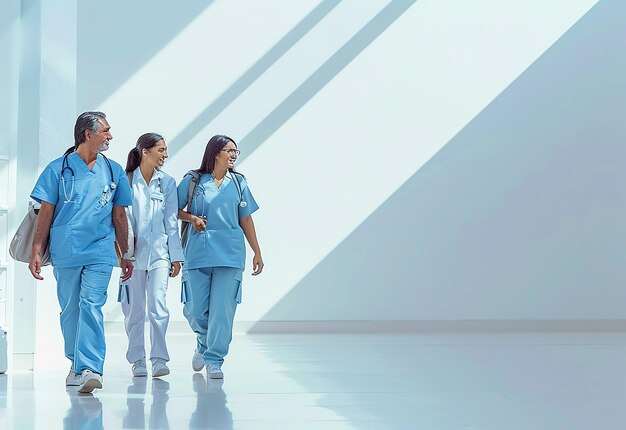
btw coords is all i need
(104, 146)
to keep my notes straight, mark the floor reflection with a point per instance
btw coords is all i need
(135, 401)
(135, 417)
(85, 412)
(338, 382)
(158, 411)
(211, 410)
(3, 390)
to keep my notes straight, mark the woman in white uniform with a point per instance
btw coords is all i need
(158, 253)
(221, 215)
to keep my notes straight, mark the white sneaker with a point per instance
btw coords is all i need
(89, 381)
(214, 371)
(159, 368)
(72, 379)
(139, 368)
(197, 361)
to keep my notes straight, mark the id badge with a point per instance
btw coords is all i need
(154, 195)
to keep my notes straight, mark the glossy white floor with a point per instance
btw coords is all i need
(418, 381)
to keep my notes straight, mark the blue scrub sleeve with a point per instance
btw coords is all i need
(123, 195)
(251, 206)
(183, 192)
(47, 187)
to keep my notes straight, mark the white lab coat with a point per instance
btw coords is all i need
(155, 221)
(154, 218)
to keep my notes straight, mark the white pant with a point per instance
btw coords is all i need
(152, 284)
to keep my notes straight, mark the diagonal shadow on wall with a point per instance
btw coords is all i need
(520, 216)
(325, 73)
(252, 74)
(109, 57)
(304, 92)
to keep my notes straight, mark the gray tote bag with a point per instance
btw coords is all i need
(22, 243)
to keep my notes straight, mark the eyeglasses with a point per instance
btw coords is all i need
(232, 151)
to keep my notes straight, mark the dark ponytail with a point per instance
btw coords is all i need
(134, 159)
(145, 141)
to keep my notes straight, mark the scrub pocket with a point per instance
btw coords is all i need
(103, 239)
(237, 280)
(61, 243)
(184, 287)
(122, 292)
(237, 245)
(106, 197)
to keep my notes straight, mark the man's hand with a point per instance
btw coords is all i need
(127, 269)
(42, 231)
(34, 265)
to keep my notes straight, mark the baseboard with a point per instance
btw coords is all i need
(434, 326)
(430, 326)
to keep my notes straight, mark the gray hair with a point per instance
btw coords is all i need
(86, 121)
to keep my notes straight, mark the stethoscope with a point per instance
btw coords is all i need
(66, 166)
(242, 202)
(200, 191)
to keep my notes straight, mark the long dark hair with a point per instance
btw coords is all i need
(85, 121)
(215, 145)
(145, 141)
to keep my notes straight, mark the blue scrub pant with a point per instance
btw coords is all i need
(82, 291)
(185, 298)
(215, 293)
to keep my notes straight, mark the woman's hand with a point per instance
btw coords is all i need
(198, 224)
(247, 225)
(175, 269)
(257, 264)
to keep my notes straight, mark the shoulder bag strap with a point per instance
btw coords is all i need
(195, 178)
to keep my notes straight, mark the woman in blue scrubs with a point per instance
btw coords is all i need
(221, 215)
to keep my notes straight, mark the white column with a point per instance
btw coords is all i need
(22, 335)
(41, 84)
(9, 80)
(57, 115)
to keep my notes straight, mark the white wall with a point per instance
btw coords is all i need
(429, 160)
(520, 216)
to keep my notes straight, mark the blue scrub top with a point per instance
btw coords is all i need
(82, 230)
(222, 243)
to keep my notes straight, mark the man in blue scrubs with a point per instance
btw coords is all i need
(82, 196)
